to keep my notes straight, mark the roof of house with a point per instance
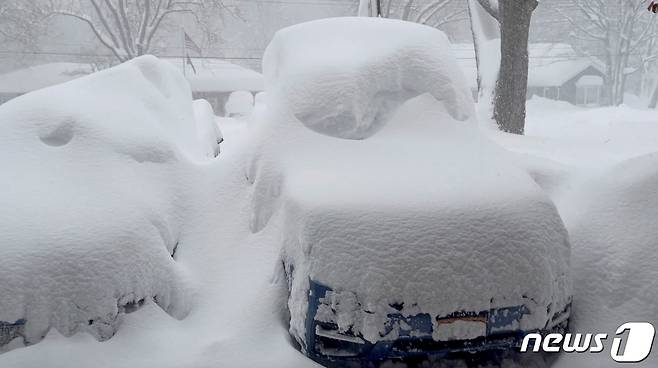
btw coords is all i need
(215, 75)
(589, 80)
(212, 75)
(550, 64)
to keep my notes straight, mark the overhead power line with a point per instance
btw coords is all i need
(61, 53)
(223, 57)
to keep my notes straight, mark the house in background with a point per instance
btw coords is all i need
(22, 81)
(214, 80)
(555, 71)
(210, 79)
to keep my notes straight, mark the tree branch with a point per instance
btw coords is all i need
(491, 7)
(99, 35)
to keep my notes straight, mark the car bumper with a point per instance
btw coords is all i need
(491, 330)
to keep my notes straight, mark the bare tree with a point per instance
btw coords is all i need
(486, 44)
(649, 60)
(434, 13)
(512, 85)
(650, 80)
(370, 8)
(620, 28)
(21, 23)
(127, 27)
(509, 96)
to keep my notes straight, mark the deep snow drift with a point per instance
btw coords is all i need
(600, 166)
(92, 200)
(343, 77)
(612, 223)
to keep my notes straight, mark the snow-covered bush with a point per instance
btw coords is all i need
(345, 76)
(94, 200)
(240, 103)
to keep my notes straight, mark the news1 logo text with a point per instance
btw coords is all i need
(632, 344)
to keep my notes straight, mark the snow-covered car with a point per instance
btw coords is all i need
(96, 195)
(405, 232)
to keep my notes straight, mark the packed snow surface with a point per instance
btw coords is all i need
(612, 222)
(600, 166)
(344, 77)
(93, 204)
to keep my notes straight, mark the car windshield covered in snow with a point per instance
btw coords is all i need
(404, 231)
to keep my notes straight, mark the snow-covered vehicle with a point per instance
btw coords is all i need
(405, 232)
(95, 195)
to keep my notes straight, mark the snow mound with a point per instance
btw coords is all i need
(208, 133)
(260, 99)
(240, 103)
(611, 218)
(94, 200)
(344, 77)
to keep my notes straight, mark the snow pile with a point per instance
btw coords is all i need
(260, 99)
(240, 103)
(343, 78)
(611, 218)
(599, 165)
(94, 203)
(208, 133)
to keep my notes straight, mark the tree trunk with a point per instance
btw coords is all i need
(654, 98)
(512, 85)
(484, 29)
(370, 8)
(364, 8)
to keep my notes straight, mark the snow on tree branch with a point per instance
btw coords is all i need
(127, 28)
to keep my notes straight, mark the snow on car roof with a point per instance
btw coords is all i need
(349, 89)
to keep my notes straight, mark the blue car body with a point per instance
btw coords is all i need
(327, 345)
(11, 330)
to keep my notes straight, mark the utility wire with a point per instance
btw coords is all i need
(53, 53)
(62, 53)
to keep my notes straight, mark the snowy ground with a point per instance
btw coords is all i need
(599, 167)
(206, 234)
(232, 323)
